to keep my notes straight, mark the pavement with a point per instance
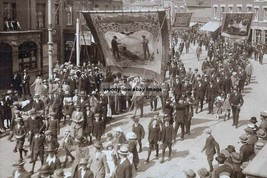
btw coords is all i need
(186, 154)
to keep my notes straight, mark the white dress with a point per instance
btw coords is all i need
(38, 86)
(109, 155)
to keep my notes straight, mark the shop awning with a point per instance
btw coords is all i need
(257, 167)
(192, 24)
(210, 26)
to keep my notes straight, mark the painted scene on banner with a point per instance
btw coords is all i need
(132, 42)
(182, 20)
(237, 25)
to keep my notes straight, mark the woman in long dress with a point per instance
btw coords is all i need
(38, 85)
(111, 158)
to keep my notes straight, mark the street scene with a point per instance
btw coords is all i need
(161, 91)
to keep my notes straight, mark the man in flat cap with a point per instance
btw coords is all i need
(20, 171)
(166, 138)
(236, 101)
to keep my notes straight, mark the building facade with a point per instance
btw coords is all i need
(258, 7)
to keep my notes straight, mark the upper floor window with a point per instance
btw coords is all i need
(249, 9)
(256, 14)
(239, 9)
(40, 15)
(215, 11)
(230, 9)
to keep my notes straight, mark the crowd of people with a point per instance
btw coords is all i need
(76, 98)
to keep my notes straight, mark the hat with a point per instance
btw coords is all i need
(196, 69)
(118, 129)
(20, 162)
(109, 144)
(224, 175)
(97, 114)
(203, 172)
(52, 114)
(67, 130)
(253, 120)
(16, 111)
(83, 161)
(36, 96)
(44, 169)
(244, 165)
(77, 106)
(57, 79)
(32, 111)
(15, 103)
(167, 119)
(208, 131)
(136, 119)
(9, 92)
(48, 132)
(190, 173)
(226, 153)
(236, 158)
(259, 145)
(79, 139)
(261, 133)
(123, 150)
(263, 114)
(249, 130)
(131, 136)
(220, 158)
(50, 149)
(82, 93)
(243, 138)
(98, 144)
(230, 148)
(234, 73)
(59, 173)
(18, 119)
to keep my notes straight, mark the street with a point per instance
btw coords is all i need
(187, 153)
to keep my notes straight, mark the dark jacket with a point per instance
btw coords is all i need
(139, 131)
(124, 170)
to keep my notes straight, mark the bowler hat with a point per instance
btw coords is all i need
(230, 148)
(225, 152)
(236, 158)
(203, 173)
(220, 158)
(98, 144)
(249, 130)
(261, 133)
(19, 162)
(253, 120)
(263, 114)
(44, 169)
(190, 173)
(123, 150)
(83, 161)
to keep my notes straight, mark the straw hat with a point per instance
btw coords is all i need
(203, 173)
(190, 173)
(131, 136)
(98, 145)
(118, 129)
(236, 158)
(123, 150)
(261, 133)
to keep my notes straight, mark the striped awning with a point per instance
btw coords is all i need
(211, 26)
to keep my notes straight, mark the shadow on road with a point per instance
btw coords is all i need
(196, 132)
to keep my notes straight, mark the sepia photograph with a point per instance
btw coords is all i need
(133, 88)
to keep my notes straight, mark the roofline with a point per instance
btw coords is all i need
(120, 11)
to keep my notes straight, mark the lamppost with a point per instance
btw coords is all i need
(50, 40)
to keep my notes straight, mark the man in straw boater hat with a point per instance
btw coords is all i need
(246, 150)
(253, 122)
(166, 138)
(262, 136)
(211, 147)
(20, 171)
(124, 167)
(52, 159)
(83, 170)
(98, 161)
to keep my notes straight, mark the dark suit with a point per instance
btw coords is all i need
(211, 148)
(16, 83)
(140, 133)
(246, 152)
(200, 95)
(166, 138)
(211, 95)
(236, 101)
(180, 118)
(154, 135)
(26, 84)
(88, 174)
(124, 170)
(54, 127)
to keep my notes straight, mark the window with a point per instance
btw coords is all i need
(248, 9)
(239, 9)
(27, 55)
(215, 11)
(258, 36)
(256, 14)
(40, 15)
(9, 14)
(265, 36)
(57, 14)
(106, 7)
(230, 9)
(68, 11)
(96, 6)
(265, 14)
(222, 9)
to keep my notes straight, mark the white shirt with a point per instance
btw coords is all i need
(50, 159)
(82, 173)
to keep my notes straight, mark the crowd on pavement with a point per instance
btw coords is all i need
(75, 97)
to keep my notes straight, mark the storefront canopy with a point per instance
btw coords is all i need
(257, 167)
(210, 26)
(193, 24)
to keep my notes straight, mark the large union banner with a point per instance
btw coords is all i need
(237, 25)
(182, 20)
(133, 43)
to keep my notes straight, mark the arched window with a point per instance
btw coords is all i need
(28, 55)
